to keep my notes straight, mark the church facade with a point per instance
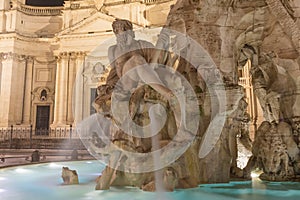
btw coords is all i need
(53, 58)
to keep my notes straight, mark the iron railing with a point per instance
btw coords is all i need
(15, 137)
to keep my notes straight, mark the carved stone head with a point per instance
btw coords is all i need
(123, 30)
(121, 25)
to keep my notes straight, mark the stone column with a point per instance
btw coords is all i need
(78, 88)
(4, 6)
(28, 90)
(11, 20)
(18, 88)
(56, 98)
(8, 17)
(10, 89)
(60, 108)
(6, 116)
(2, 21)
(71, 80)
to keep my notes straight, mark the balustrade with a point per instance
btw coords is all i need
(40, 11)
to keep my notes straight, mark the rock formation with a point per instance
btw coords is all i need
(186, 170)
(268, 36)
(276, 152)
(69, 176)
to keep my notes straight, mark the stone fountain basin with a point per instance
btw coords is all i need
(43, 181)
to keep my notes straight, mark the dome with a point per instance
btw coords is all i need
(45, 2)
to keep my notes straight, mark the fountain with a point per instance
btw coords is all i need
(169, 115)
(44, 181)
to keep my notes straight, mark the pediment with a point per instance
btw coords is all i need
(96, 23)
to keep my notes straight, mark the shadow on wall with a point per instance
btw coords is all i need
(49, 30)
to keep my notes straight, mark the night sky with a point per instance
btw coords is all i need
(45, 2)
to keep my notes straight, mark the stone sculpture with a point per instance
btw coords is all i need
(2, 158)
(35, 156)
(74, 155)
(232, 32)
(140, 53)
(274, 85)
(269, 84)
(184, 172)
(276, 152)
(69, 176)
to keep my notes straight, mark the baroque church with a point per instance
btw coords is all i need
(54, 57)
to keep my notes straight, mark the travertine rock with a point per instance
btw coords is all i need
(187, 171)
(232, 32)
(276, 152)
(69, 176)
(269, 36)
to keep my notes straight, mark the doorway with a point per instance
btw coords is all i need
(42, 120)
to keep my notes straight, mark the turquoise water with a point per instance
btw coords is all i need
(44, 182)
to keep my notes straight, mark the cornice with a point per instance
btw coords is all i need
(88, 56)
(4, 56)
(8, 36)
(71, 54)
(73, 7)
(84, 35)
(18, 36)
(40, 11)
(146, 2)
(94, 16)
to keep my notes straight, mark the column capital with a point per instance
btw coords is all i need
(30, 58)
(81, 54)
(12, 56)
(6, 56)
(63, 55)
(71, 54)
